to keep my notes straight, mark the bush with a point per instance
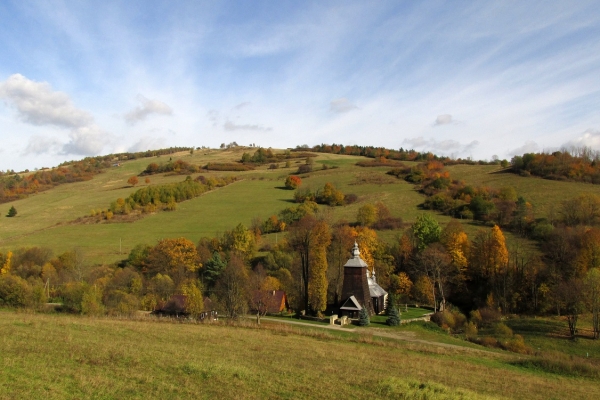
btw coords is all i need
(475, 317)
(517, 345)
(470, 330)
(72, 296)
(501, 330)
(489, 316)
(15, 291)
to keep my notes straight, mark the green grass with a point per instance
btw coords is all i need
(45, 219)
(62, 356)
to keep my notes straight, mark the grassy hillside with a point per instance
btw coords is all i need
(61, 356)
(45, 219)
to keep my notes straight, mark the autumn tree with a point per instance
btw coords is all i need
(133, 180)
(366, 215)
(177, 258)
(434, 263)
(310, 238)
(194, 300)
(292, 182)
(240, 240)
(342, 240)
(489, 263)
(232, 287)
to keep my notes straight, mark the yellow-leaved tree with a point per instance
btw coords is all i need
(6, 264)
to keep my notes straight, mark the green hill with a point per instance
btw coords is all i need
(47, 219)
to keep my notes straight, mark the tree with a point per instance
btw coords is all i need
(434, 262)
(363, 317)
(133, 180)
(293, 182)
(366, 215)
(391, 310)
(232, 287)
(194, 300)
(175, 257)
(592, 294)
(310, 238)
(426, 230)
(12, 212)
(342, 239)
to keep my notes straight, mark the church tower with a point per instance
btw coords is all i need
(355, 291)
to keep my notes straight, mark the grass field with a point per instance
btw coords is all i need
(62, 356)
(45, 219)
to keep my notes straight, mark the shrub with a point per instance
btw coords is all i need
(517, 345)
(14, 291)
(12, 212)
(470, 330)
(363, 319)
(292, 182)
(489, 316)
(501, 330)
(488, 341)
(350, 198)
(72, 296)
(475, 317)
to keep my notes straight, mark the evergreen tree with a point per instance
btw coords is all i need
(392, 311)
(363, 317)
(12, 212)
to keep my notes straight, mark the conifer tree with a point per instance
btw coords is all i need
(392, 311)
(12, 212)
(363, 317)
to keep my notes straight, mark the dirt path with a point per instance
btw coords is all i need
(410, 337)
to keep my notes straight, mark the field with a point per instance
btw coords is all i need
(46, 219)
(61, 356)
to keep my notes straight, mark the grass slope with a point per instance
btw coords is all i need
(44, 219)
(61, 356)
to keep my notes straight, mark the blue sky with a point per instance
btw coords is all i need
(464, 79)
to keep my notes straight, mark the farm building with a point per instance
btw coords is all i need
(270, 301)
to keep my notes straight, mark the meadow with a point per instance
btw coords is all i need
(59, 356)
(46, 219)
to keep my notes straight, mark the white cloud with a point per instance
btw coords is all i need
(341, 105)
(41, 145)
(147, 108)
(148, 143)
(86, 141)
(444, 119)
(242, 105)
(230, 126)
(529, 147)
(589, 138)
(38, 104)
(440, 146)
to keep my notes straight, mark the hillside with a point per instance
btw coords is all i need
(62, 356)
(46, 219)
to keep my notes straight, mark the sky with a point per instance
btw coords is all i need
(479, 79)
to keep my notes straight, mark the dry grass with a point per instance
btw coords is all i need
(59, 356)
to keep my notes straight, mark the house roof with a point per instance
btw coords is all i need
(351, 304)
(375, 290)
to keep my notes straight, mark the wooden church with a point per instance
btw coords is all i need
(360, 288)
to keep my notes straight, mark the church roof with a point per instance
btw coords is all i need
(351, 304)
(375, 290)
(355, 261)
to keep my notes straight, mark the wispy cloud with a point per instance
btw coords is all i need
(341, 105)
(147, 107)
(230, 126)
(440, 146)
(148, 143)
(444, 119)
